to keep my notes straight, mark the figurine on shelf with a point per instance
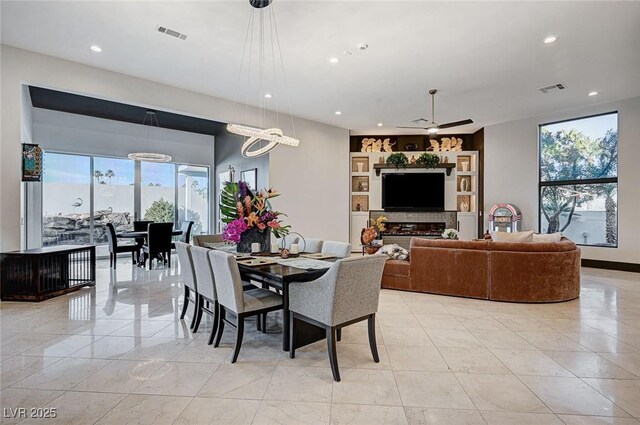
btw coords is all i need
(387, 145)
(487, 236)
(464, 206)
(412, 160)
(358, 207)
(381, 160)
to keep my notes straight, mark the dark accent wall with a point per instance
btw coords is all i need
(478, 145)
(401, 141)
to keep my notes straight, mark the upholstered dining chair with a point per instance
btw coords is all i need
(313, 246)
(201, 240)
(339, 249)
(207, 299)
(185, 237)
(347, 293)
(189, 281)
(232, 298)
(159, 242)
(115, 247)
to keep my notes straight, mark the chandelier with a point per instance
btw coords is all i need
(258, 139)
(149, 156)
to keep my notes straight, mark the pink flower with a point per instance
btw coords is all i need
(261, 226)
(273, 224)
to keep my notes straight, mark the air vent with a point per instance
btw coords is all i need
(547, 89)
(172, 33)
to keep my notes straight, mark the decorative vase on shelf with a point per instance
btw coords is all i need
(464, 206)
(464, 185)
(360, 165)
(254, 235)
(412, 160)
(464, 165)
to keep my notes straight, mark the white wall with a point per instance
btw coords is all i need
(312, 177)
(511, 172)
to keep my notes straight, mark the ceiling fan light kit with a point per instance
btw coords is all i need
(258, 140)
(433, 127)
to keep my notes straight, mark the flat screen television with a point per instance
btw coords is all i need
(413, 192)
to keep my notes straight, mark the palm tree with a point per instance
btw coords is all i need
(98, 175)
(109, 174)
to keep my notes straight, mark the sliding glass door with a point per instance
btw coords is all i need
(158, 191)
(193, 197)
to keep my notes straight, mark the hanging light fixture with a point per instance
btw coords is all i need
(258, 139)
(149, 156)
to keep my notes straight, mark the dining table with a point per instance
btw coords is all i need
(280, 276)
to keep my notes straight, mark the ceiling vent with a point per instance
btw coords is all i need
(172, 33)
(547, 89)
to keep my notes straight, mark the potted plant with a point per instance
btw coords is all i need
(399, 160)
(429, 160)
(249, 218)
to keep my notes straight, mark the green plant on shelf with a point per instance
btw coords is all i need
(399, 160)
(429, 160)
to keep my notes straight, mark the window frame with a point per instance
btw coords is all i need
(603, 180)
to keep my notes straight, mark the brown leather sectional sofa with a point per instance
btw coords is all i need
(518, 272)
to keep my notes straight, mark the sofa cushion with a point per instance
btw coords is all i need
(564, 245)
(547, 237)
(513, 236)
(448, 243)
(397, 268)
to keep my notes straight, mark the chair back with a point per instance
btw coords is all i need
(339, 249)
(111, 237)
(141, 225)
(200, 240)
(313, 246)
(227, 280)
(186, 231)
(203, 271)
(356, 287)
(159, 237)
(186, 264)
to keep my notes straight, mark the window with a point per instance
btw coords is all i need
(579, 179)
(193, 197)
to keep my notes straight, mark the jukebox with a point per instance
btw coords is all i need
(505, 218)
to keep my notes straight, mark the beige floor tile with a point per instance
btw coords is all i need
(514, 418)
(520, 323)
(438, 321)
(120, 376)
(502, 339)
(397, 320)
(353, 414)
(628, 361)
(108, 347)
(177, 379)
(156, 349)
(453, 338)
(140, 328)
(146, 410)
(475, 360)
(247, 381)
(102, 327)
(271, 412)
(17, 343)
(300, 384)
(80, 408)
(601, 343)
(500, 392)
(17, 368)
(551, 341)
(63, 375)
(199, 351)
(527, 362)
(366, 386)
(624, 393)
(431, 389)
(360, 335)
(61, 346)
(425, 358)
(597, 420)
(435, 416)
(349, 355)
(403, 337)
(221, 411)
(482, 323)
(571, 396)
(12, 399)
(589, 365)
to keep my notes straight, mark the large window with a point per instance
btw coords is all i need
(579, 179)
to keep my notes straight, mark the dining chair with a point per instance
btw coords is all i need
(207, 299)
(141, 226)
(313, 246)
(115, 247)
(347, 293)
(233, 299)
(189, 280)
(201, 240)
(185, 237)
(338, 249)
(158, 243)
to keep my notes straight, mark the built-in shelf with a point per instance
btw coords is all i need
(378, 167)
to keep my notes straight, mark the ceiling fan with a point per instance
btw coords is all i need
(433, 127)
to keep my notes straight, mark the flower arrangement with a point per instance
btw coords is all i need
(450, 234)
(429, 160)
(241, 210)
(371, 233)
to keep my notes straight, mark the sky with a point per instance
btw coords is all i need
(593, 127)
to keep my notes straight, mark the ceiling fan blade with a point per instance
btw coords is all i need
(420, 128)
(455, 124)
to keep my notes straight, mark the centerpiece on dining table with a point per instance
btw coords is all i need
(250, 217)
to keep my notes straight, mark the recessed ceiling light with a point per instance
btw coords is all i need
(593, 93)
(267, 96)
(338, 112)
(95, 48)
(334, 60)
(550, 39)
(380, 124)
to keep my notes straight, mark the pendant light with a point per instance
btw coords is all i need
(260, 140)
(149, 116)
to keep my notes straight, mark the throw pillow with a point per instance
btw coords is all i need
(547, 238)
(513, 236)
(395, 252)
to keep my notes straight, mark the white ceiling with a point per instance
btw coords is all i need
(486, 58)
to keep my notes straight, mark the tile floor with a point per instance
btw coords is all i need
(118, 354)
